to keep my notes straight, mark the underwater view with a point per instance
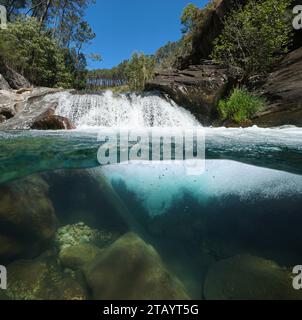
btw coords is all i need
(72, 229)
(149, 151)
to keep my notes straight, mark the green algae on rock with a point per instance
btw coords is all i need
(246, 277)
(27, 218)
(42, 279)
(132, 269)
(79, 233)
(74, 257)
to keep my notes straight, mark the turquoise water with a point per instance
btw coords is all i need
(279, 149)
(248, 201)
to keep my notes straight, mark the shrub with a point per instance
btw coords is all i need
(255, 36)
(240, 106)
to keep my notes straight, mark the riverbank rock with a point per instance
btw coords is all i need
(33, 109)
(282, 89)
(3, 83)
(13, 78)
(197, 88)
(42, 279)
(9, 103)
(27, 218)
(49, 121)
(246, 277)
(131, 269)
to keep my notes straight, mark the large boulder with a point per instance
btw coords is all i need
(283, 92)
(246, 277)
(27, 218)
(42, 279)
(197, 88)
(75, 257)
(131, 269)
(3, 83)
(13, 78)
(49, 121)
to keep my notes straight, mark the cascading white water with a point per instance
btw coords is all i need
(123, 110)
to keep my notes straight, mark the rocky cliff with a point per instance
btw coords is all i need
(283, 90)
(197, 83)
(198, 88)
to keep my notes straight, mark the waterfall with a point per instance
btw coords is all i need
(123, 110)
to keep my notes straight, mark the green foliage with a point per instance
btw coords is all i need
(139, 70)
(45, 41)
(192, 19)
(167, 55)
(240, 106)
(13, 7)
(107, 78)
(32, 51)
(254, 36)
(189, 18)
(129, 75)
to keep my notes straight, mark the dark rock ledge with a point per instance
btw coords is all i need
(197, 88)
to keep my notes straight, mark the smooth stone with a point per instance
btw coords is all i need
(29, 217)
(74, 257)
(246, 277)
(42, 279)
(132, 269)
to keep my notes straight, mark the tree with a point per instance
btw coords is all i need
(60, 29)
(189, 18)
(255, 36)
(40, 9)
(32, 52)
(13, 7)
(139, 70)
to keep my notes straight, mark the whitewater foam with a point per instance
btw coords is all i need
(157, 186)
(123, 110)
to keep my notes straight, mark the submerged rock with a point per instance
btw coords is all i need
(246, 277)
(27, 218)
(42, 279)
(11, 247)
(75, 257)
(79, 233)
(131, 269)
(4, 296)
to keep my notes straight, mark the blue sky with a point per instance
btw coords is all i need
(125, 26)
